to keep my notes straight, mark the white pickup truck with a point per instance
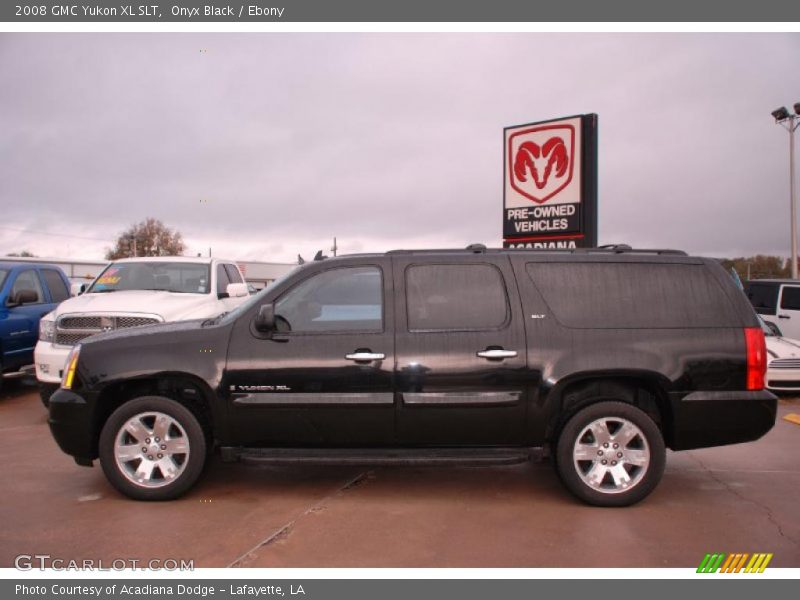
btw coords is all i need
(131, 292)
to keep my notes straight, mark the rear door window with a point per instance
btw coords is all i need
(763, 297)
(56, 285)
(790, 298)
(456, 297)
(633, 295)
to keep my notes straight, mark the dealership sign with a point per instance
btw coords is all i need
(550, 184)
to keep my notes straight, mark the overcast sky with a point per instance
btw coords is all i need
(265, 145)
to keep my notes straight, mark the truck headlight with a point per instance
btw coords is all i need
(69, 372)
(47, 330)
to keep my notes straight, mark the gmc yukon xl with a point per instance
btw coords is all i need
(602, 357)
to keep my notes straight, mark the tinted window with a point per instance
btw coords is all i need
(633, 295)
(28, 280)
(455, 297)
(790, 299)
(222, 280)
(3, 273)
(233, 274)
(763, 297)
(182, 277)
(348, 299)
(56, 285)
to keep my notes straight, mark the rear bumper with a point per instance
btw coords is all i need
(71, 425)
(705, 419)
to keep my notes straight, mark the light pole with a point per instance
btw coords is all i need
(790, 122)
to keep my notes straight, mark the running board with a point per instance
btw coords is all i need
(381, 456)
(26, 371)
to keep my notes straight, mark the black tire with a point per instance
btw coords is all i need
(45, 391)
(186, 425)
(648, 441)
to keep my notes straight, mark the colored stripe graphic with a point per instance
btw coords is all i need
(734, 563)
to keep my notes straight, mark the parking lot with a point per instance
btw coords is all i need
(732, 499)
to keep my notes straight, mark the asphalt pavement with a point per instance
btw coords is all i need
(743, 498)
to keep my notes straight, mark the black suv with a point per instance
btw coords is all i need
(606, 357)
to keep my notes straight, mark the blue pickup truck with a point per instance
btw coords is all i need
(27, 292)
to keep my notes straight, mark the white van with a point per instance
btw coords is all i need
(131, 292)
(777, 301)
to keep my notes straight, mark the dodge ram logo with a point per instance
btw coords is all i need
(106, 323)
(540, 160)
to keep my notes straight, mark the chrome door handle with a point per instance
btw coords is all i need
(365, 356)
(497, 354)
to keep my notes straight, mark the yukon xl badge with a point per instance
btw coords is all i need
(260, 388)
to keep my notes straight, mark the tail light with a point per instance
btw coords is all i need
(756, 357)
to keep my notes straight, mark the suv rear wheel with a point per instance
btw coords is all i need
(152, 448)
(610, 454)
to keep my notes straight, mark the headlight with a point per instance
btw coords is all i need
(69, 372)
(47, 330)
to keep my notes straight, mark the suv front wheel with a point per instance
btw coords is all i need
(152, 448)
(610, 454)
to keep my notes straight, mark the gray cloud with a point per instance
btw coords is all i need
(384, 140)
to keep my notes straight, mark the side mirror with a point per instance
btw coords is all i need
(265, 319)
(774, 328)
(23, 297)
(237, 290)
(76, 289)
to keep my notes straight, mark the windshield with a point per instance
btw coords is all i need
(178, 277)
(3, 274)
(254, 299)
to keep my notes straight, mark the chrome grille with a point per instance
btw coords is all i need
(72, 329)
(79, 323)
(70, 339)
(785, 363)
(123, 322)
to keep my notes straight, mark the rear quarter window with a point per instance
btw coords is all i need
(633, 295)
(56, 285)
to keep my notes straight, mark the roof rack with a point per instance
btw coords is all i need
(475, 248)
(625, 248)
(605, 249)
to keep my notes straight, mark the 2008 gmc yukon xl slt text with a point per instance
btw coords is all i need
(606, 357)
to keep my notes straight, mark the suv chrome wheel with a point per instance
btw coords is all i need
(611, 455)
(152, 449)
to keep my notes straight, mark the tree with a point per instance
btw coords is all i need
(759, 267)
(23, 254)
(148, 238)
